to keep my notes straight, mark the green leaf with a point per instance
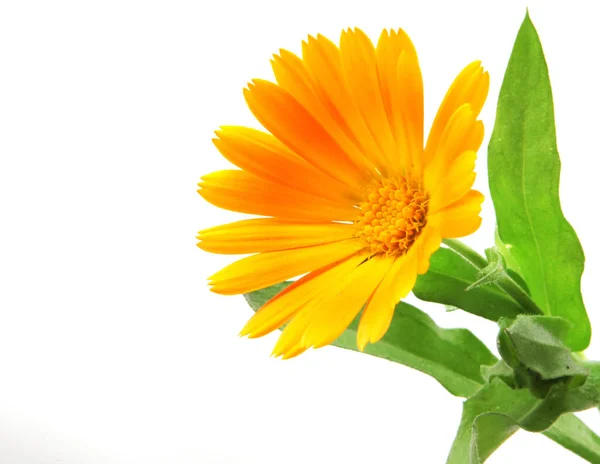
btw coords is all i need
(573, 434)
(496, 411)
(452, 356)
(594, 368)
(524, 171)
(512, 267)
(447, 280)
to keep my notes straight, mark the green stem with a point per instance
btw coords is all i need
(506, 283)
(513, 289)
(466, 252)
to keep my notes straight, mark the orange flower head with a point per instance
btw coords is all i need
(348, 192)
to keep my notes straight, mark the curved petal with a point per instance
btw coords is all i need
(427, 243)
(270, 234)
(470, 86)
(457, 136)
(460, 218)
(456, 228)
(462, 133)
(264, 156)
(245, 193)
(264, 269)
(456, 183)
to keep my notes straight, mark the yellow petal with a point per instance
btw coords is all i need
(289, 301)
(470, 86)
(389, 49)
(270, 234)
(378, 313)
(321, 323)
(456, 183)
(264, 269)
(427, 243)
(455, 228)
(294, 351)
(462, 133)
(290, 341)
(245, 193)
(461, 218)
(410, 83)
(453, 138)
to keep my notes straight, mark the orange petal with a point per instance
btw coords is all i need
(359, 65)
(323, 62)
(264, 156)
(291, 123)
(293, 77)
(264, 269)
(270, 234)
(243, 192)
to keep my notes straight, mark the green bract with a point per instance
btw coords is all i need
(447, 280)
(529, 283)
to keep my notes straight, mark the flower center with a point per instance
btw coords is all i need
(392, 216)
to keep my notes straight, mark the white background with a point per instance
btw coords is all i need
(112, 350)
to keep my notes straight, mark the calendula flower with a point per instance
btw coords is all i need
(353, 198)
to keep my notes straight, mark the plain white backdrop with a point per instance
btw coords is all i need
(112, 350)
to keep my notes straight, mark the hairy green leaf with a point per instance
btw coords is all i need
(524, 171)
(497, 411)
(452, 356)
(537, 344)
(447, 280)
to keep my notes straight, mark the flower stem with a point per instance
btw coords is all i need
(504, 282)
(466, 252)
